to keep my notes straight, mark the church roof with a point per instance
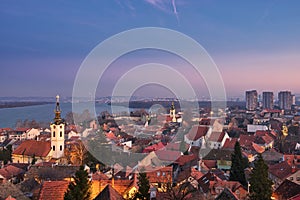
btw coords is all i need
(33, 147)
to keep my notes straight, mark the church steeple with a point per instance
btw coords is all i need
(57, 133)
(173, 112)
(57, 111)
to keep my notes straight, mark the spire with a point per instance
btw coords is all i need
(57, 111)
(172, 106)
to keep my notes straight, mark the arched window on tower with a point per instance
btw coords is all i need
(53, 133)
(60, 134)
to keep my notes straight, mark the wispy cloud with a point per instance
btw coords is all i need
(165, 6)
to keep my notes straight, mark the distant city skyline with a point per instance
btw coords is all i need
(254, 44)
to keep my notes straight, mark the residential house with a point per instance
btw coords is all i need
(159, 177)
(226, 194)
(217, 139)
(12, 173)
(32, 134)
(212, 186)
(264, 139)
(109, 193)
(220, 158)
(279, 172)
(3, 137)
(18, 133)
(53, 190)
(295, 177)
(196, 136)
(286, 190)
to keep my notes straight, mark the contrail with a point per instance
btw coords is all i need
(175, 10)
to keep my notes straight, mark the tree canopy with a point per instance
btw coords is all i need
(238, 165)
(260, 184)
(79, 189)
(144, 186)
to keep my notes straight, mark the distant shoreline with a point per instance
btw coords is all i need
(166, 104)
(21, 104)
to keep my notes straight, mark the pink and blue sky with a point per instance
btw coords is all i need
(255, 44)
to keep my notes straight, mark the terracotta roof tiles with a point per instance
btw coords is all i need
(196, 132)
(33, 147)
(53, 190)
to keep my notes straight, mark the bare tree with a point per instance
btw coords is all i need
(76, 153)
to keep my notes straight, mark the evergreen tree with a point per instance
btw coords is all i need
(144, 186)
(79, 189)
(238, 165)
(260, 184)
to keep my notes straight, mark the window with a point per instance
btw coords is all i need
(53, 133)
(60, 134)
(60, 147)
(60, 127)
(54, 127)
(298, 178)
(53, 148)
(158, 173)
(291, 178)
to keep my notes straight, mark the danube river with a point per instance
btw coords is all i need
(45, 113)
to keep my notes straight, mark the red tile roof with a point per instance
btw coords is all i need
(33, 147)
(109, 193)
(261, 133)
(205, 121)
(280, 170)
(246, 140)
(196, 174)
(10, 171)
(292, 159)
(22, 129)
(166, 155)
(257, 148)
(154, 147)
(297, 197)
(271, 111)
(216, 136)
(196, 132)
(184, 159)
(230, 143)
(176, 146)
(99, 176)
(159, 174)
(53, 190)
(210, 163)
(111, 136)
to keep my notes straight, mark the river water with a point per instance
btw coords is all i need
(45, 113)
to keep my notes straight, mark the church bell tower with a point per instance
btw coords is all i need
(173, 112)
(57, 133)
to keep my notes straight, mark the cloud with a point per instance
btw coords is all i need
(164, 5)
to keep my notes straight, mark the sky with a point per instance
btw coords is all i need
(255, 44)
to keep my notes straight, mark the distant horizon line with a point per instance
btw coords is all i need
(204, 98)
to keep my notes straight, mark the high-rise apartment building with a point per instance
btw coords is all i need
(268, 100)
(285, 100)
(251, 100)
